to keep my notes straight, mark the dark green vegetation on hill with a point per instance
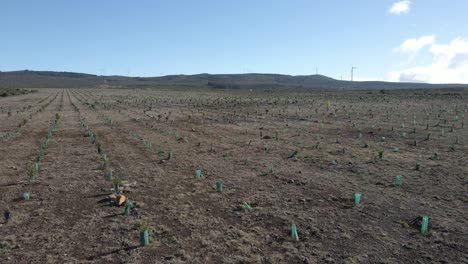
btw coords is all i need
(255, 81)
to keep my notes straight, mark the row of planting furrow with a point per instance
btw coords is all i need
(23, 123)
(18, 151)
(21, 109)
(121, 175)
(16, 209)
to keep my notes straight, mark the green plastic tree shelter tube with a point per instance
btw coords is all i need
(398, 180)
(128, 206)
(198, 173)
(25, 196)
(357, 199)
(246, 205)
(294, 234)
(219, 186)
(144, 238)
(7, 215)
(424, 224)
(109, 174)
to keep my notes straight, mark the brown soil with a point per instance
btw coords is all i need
(231, 137)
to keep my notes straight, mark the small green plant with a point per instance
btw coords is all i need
(169, 155)
(117, 182)
(160, 150)
(381, 154)
(294, 154)
(32, 173)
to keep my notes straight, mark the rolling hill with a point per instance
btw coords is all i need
(256, 81)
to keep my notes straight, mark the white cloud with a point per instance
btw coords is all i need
(400, 7)
(449, 65)
(414, 45)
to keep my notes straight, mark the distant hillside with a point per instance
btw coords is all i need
(257, 81)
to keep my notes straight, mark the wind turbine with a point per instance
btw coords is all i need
(352, 72)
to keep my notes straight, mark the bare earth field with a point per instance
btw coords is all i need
(293, 157)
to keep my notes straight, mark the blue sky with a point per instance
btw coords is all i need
(419, 40)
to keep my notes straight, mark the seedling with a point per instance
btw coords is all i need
(117, 182)
(418, 166)
(160, 150)
(294, 154)
(169, 155)
(381, 154)
(32, 173)
(294, 235)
